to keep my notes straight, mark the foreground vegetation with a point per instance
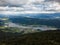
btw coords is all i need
(40, 38)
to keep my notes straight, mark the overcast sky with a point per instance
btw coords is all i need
(28, 5)
(12, 2)
(18, 2)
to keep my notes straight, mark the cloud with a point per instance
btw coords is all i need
(54, 0)
(2, 3)
(57, 0)
(12, 2)
(19, 2)
(54, 6)
(29, 6)
(18, 10)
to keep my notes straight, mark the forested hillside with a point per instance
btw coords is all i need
(40, 38)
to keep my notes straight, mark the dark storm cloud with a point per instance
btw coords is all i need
(53, 0)
(12, 2)
(18, 2)
(57, 0)
(2, 2)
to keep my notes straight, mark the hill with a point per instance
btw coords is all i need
(41, 38)
(35, 21)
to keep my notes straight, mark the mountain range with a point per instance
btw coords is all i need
(35, 19)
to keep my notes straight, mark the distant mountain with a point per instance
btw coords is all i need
(35, 21)
(39, 15)
(2, 16)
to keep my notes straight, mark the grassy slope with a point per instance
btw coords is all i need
(41, 38)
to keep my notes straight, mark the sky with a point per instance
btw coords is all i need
(29, 6)
(18, 2)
